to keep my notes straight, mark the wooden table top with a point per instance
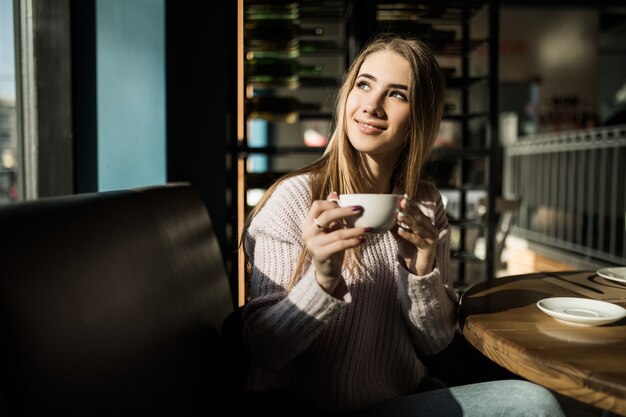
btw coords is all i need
(501, 319)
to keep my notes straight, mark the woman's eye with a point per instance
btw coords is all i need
(398, 94)
(363, 85)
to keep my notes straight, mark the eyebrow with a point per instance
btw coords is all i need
(371, 77)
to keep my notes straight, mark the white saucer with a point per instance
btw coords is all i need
(581, 311)
(613, 274)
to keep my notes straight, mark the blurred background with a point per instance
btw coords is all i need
(98, 95)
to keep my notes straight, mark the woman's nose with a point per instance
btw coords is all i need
(374, 108)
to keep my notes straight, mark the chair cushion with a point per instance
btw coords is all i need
(111, 304)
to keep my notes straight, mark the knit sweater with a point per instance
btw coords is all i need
(342, 354)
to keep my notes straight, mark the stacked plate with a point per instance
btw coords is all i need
(585, 311)
(581, 311)
(613, 274)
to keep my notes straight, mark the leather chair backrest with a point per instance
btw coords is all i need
(111, 305)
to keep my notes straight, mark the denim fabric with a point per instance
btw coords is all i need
(506, 398)
(510, 398)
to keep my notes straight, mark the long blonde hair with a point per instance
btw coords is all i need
(341, 168)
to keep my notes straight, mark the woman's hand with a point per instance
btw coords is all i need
(419, 238)
(327, 239)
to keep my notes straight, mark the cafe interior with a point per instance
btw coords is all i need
(137, 135)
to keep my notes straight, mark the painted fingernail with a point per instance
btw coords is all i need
(357, 208)
(361, 239)
(368, 229)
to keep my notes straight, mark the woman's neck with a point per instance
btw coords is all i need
(378, 176)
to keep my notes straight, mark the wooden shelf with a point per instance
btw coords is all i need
(449, 168)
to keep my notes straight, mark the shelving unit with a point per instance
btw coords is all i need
(465, 166)
(292, 55)
(466, 163)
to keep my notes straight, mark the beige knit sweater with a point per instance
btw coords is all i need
(348, 354)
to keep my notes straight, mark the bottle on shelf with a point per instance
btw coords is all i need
(278, 109)
(315, 46)
(419, 11)
(293, 49)
(288, 49)
(276, 38)
(332, 10)
(278, 72)
(275, 11)
(289, 10)
(275, 30)
(409, 11)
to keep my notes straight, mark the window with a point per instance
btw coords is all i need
(8, 131)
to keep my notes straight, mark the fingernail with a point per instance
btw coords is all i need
(368, 230)
(406, 197)
(401, 215)
(357, 208)
(361, 239)
(404, 226)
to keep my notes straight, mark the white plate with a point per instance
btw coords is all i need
(614, 274)
(581, 311)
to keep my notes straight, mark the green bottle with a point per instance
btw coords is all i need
(275, 72)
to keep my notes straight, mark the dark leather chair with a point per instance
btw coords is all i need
(111, 304)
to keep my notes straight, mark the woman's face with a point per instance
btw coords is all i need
(377, 108)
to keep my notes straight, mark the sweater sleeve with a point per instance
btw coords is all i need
(280, 323)
(430, 301)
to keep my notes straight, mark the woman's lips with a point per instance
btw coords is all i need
(369, 128)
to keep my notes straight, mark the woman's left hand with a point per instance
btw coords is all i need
(418, 238)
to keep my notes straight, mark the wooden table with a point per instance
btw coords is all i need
(501, 319)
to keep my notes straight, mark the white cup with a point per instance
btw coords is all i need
(379, 210)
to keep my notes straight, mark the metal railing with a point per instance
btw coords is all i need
(573, 190)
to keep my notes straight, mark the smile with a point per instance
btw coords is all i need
(369, 128)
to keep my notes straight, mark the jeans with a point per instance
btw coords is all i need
(506, 398)
(510, 398)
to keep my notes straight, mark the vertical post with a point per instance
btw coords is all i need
(26, 102)
(494, 178)
(461, 164)
(238, 164)
(84, 96)
(44, 97)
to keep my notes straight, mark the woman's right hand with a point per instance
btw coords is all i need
(326, 239)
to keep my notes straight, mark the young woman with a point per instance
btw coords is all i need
(338, 315)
